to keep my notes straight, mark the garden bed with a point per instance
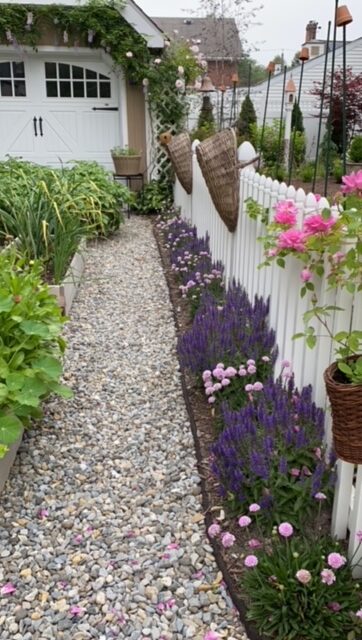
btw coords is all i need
(205, 423)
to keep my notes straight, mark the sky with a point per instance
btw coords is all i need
(282, 22)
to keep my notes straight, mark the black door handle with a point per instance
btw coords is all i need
(41, 125)
(105, 108)
(35, 129)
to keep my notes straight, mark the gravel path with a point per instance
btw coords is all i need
(101, 531)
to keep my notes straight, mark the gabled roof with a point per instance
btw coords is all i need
(131, 12)
(217, 38)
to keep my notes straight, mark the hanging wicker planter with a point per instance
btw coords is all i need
(346, 405)
(180, 152)
(218, 160)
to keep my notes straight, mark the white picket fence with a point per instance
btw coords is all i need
(241, 253)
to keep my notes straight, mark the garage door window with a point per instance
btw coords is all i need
(12, 80)
(71, 81)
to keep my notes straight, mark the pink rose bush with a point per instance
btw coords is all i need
(328, 243)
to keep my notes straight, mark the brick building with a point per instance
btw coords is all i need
(218, 40)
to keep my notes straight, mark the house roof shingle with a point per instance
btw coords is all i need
(217, 38)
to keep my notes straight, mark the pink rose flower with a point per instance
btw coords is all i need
(248, 388)
(227, 539)
(295, 473)
(286, 213)
(244, 521)
(303, 576)
(317, 224)
(353, 182)
(251, 561)
(206, 375)
(258, 386)
(254, 508)
(334, 606)
(306, 275)
(251, 369)
(230, 372)
(292, 239)
(285, 529)
(359, 614)
(225, 382)
(328, 577)
(336, 560)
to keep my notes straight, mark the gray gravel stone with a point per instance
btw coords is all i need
(96, 521)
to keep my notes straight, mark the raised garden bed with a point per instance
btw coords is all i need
(67, 290)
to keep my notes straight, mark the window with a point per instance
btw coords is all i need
(12, 80)
(71, 81)
(314, 51)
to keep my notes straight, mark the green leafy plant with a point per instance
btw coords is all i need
(31, 346)
(301, 589)
(355, 150)
(337, 170)
(155, 197)
(329, 247)
(119, 152)
(306, 172)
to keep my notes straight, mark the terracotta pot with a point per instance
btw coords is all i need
(346, 405)
(343, 16)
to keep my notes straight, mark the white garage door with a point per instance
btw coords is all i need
(56, 110)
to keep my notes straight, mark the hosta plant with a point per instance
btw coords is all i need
(31, 346)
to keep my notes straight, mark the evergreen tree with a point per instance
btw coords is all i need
(246, 118)
(297, 118)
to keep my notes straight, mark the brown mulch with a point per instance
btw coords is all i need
(332, 186)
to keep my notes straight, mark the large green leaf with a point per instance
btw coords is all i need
(34, 328)
(3, 392)
(50, 366)
(15, 381)
(10, 429)
(6, 304)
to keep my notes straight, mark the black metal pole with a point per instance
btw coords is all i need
(291, 157)
(249, 78)
(329, 122)
(344, 106)
(281, 117)
(322, 106)
(264, 120)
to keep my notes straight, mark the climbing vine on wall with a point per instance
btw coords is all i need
(99, 24)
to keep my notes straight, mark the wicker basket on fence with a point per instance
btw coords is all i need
(346, 405)
(218, 160)
(180, 152)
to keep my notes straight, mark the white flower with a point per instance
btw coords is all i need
(203, 63)
(181, 70)
(157, 60)
(195, 48)
(145, 82)
(129, 54)
(167, 43)
(179, 84)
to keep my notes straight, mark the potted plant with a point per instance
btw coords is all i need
(329, 245)
(354, 162)
(127, 161)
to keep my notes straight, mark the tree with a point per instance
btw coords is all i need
(297, 118)
(353, 104)
(258, 72)
(295, 62)
(246, 118)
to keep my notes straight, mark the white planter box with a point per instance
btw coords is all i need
(7, 462)
(66, 291)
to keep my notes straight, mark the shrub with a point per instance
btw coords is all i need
(246, 118)
(155, 197)
(206, 126)
(271, 452)
(297, 118)
(295, 590)
(355, 150)
(229, 333)
(306, 172)
(31, 346)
